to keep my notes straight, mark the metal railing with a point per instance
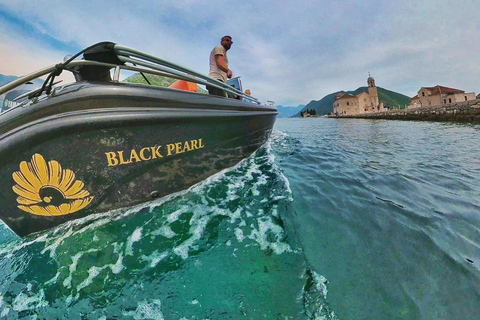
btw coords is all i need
(135, 57)
(140, 62)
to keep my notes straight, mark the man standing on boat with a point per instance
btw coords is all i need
(219, 65)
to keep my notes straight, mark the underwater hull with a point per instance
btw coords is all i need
(91, 153)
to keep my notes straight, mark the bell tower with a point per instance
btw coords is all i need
(372, 91)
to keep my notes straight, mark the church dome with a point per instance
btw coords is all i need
(370, 81)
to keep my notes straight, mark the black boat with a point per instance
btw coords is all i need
(98, 143)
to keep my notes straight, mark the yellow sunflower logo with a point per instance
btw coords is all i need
(45, 189)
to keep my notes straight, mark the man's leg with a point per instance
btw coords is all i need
(215, 91)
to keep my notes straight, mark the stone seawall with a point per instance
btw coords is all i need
(468, 111)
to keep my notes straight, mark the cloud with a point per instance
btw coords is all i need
(20, 58)
(287, 51)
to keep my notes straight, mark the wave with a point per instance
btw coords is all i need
(220, 249)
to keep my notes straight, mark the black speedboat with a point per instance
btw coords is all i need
(97, 144)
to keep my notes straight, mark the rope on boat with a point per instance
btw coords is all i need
(48, 84)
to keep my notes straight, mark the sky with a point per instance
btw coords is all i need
(290, 52)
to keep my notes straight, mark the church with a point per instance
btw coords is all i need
(346, 104)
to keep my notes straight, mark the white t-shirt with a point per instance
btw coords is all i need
(215, 71)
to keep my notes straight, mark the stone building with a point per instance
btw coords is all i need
(347, 104)
(439, 96)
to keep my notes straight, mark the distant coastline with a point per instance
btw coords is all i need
(467, 112)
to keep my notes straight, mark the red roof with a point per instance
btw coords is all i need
(344, 96)
(440, 89)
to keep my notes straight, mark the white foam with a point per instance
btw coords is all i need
(183, 249)
(174, 216)
(68, 280)
(4, 312)
(118, 266)
(155, 258)
(136, 236)
(236, 215)
(146, 310)
(263, 230)
(53, 247)
(239, 235)
(260, 235)
(24, 302)
(320, 283)
(164, 231)
(92, 273)
(54, 279)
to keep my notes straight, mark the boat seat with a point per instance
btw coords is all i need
(93, 73)
(103, 52)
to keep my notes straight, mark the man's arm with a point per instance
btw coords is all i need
(222, 66)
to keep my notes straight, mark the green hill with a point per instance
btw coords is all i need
(155, 80)
(393, 99)
(389, 98)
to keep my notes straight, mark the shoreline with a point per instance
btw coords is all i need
(467, 112)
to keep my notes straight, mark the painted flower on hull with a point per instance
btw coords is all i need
(45, 189)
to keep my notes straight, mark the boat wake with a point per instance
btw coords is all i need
(221, 249)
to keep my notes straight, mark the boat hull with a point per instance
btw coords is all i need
(94, 148)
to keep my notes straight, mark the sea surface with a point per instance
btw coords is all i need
(331, 219)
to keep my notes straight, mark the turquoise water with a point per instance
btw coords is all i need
(389, 213)
(332, 219)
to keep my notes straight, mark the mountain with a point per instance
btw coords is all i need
(6, 79)
(325, 105)
(285, 112)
